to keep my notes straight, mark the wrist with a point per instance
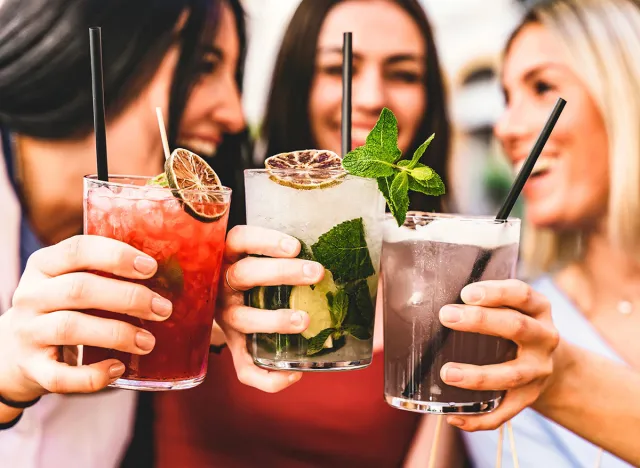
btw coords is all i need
(564, 375)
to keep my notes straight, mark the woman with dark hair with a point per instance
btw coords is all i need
(341, 419)
(184, 56)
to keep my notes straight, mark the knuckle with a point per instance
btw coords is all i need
(478, 315)
(54, 382)
(118, 335)
(515, 378)
(554, 338)
(65, 327)
(72, 250)
(134, 297)
(76, 286)
(237, 318)
(519, 326)
(480, 378)
(523, 292)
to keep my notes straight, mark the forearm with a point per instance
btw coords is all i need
(595, 398)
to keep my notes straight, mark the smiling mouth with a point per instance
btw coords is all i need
(198, 146)
(542, 167)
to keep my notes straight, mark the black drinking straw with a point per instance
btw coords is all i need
(437, 342)
(347, 72)
(97, 88)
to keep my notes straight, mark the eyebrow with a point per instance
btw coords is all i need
(541, 67)
(393, 59)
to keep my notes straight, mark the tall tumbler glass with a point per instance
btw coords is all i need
(339, 224)
(189, 255)
(425, 265)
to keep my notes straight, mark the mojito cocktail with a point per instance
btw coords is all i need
(338, 219)
(425, 265)
(189, 255)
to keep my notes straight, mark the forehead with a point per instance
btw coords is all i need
(379, 27)
(533, 47)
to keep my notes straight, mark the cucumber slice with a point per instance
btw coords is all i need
(314, 302)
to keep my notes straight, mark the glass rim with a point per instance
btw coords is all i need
(223, 190)
(425, 216)
(292, 170)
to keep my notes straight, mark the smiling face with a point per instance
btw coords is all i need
(569, 187)
(388, 71)
(212, 110)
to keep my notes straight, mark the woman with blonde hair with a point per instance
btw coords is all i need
(583, 212)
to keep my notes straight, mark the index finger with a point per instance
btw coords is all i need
(510, 293)
(254, 240)
(84, 252)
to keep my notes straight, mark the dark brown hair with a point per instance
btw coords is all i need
(287, 126)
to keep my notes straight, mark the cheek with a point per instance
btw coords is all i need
(408, 104)
(325, 100)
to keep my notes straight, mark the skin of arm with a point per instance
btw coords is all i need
(595, 398)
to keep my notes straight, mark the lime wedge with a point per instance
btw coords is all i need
(195, 183)
(313, 169)
(314, 302)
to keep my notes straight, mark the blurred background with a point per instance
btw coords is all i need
(470, 35)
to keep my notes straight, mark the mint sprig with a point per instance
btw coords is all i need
(380, 158)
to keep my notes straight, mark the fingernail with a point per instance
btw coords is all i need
(296, 319)
(452, 374)
(472, 294)
(144, 265)
(161, 306)
(451, 314)
(311, 270)
(454, 421)
(289, 245)
(116, 370)
(145, 340)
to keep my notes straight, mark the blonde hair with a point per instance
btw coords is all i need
(603, 41)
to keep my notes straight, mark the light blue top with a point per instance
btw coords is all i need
(539, 441)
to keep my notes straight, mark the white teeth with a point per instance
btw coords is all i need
(542, 165)
(201, 147)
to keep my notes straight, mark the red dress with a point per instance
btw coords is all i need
(327, 419)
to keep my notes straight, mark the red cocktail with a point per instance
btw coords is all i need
(189, 255)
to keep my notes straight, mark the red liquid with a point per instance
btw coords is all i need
(189, 254)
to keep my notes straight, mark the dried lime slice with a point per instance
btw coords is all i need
(195, 183)
(312, 169)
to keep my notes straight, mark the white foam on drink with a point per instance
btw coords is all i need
(463, 231)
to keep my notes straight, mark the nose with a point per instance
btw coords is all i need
(369, 90)
(228, 110)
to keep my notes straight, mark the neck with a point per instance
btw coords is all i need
(604, 276)
(50, 175)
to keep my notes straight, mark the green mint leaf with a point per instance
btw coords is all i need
(404, 163)
(433, 186)
(383, 138)
(400, 196)
(159, 181)
(305, 251)
(358, 331)
(420, 151)
(361, 308)
(343, 250)
(338, 307)
(422, 174)
(384, 185)
(365, 162)
(316, 344)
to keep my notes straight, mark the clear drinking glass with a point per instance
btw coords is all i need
(425, 265)
(189, 255)
(340, 226)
